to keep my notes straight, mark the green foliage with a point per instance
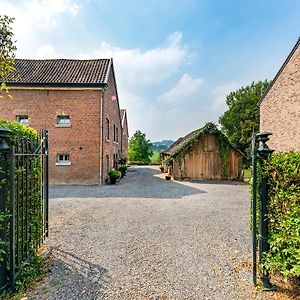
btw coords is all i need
(18, 130)
(242, 115)
(113, 175)
(7, 49)
(31, 271)
(139, 149)
(28, 173)
(155, 158)
(123, 170)
(122, 160)
(283, 170)
(247, 175)
(222, 142)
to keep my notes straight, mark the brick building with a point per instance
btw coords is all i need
(77, 101)
(280, 105)
(125, 134)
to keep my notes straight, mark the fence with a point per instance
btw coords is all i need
(23, 202)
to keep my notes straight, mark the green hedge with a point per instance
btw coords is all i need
(19, 136)
(18, 130)
(283, 170)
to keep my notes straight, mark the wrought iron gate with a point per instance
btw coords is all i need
(24, 201)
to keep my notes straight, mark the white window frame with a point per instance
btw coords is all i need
(63, 159)
(63, 124)
(23, 117)
(107, 129)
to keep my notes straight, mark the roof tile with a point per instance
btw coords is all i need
(60, 71)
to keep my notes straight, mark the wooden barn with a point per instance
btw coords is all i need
(204, 153)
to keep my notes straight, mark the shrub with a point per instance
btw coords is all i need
(113, 175)
(283, 170)
(123, 170)
(122, 160)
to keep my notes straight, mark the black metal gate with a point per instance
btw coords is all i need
(24, 201)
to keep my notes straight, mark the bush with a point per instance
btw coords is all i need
(283, 170)
(24, 134)
(113, 175)
(123, 170)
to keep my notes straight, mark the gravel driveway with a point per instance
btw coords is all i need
(148, 238)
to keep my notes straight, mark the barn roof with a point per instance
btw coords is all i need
(190, 138)
(60, 72)
(280, 71)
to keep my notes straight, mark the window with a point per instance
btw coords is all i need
(117, 135)
(63, 160)
(114, 130)
(63, 121)
(107, 129)
(23, 120)
(107, 163)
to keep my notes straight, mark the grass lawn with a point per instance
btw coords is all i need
(247, 175)
(155, 158)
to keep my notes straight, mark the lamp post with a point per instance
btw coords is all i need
(263, 152)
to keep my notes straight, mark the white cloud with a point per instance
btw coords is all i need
(135, 67)
(46, 51)
(139, 73)
(220, 93)
(186, 89)
(35, 17)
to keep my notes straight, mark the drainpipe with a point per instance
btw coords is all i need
(101, 136)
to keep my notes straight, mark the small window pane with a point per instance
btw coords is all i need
(107, 130)
(63, 120)
(23, 120)
(63, 157)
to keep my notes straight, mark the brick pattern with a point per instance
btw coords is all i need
(280, 109)
(81, 140)
(111, 110)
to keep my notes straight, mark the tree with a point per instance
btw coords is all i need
(7, 49)
(139, 149)
(242, 116)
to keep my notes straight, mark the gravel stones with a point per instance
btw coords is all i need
(148, 238)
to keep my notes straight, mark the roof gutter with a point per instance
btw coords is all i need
(16, 85)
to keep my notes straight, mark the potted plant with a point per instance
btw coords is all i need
(113, 176)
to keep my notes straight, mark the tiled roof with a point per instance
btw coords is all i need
(189, 138)
(176, 146)
(60, 72)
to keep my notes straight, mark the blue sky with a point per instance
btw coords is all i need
(175, 61)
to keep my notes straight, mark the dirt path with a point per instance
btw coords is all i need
(148, 238)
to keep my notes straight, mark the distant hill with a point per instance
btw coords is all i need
(163, 145)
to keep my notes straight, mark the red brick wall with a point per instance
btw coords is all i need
(81, 140)
(111, 110)
(280, 109)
